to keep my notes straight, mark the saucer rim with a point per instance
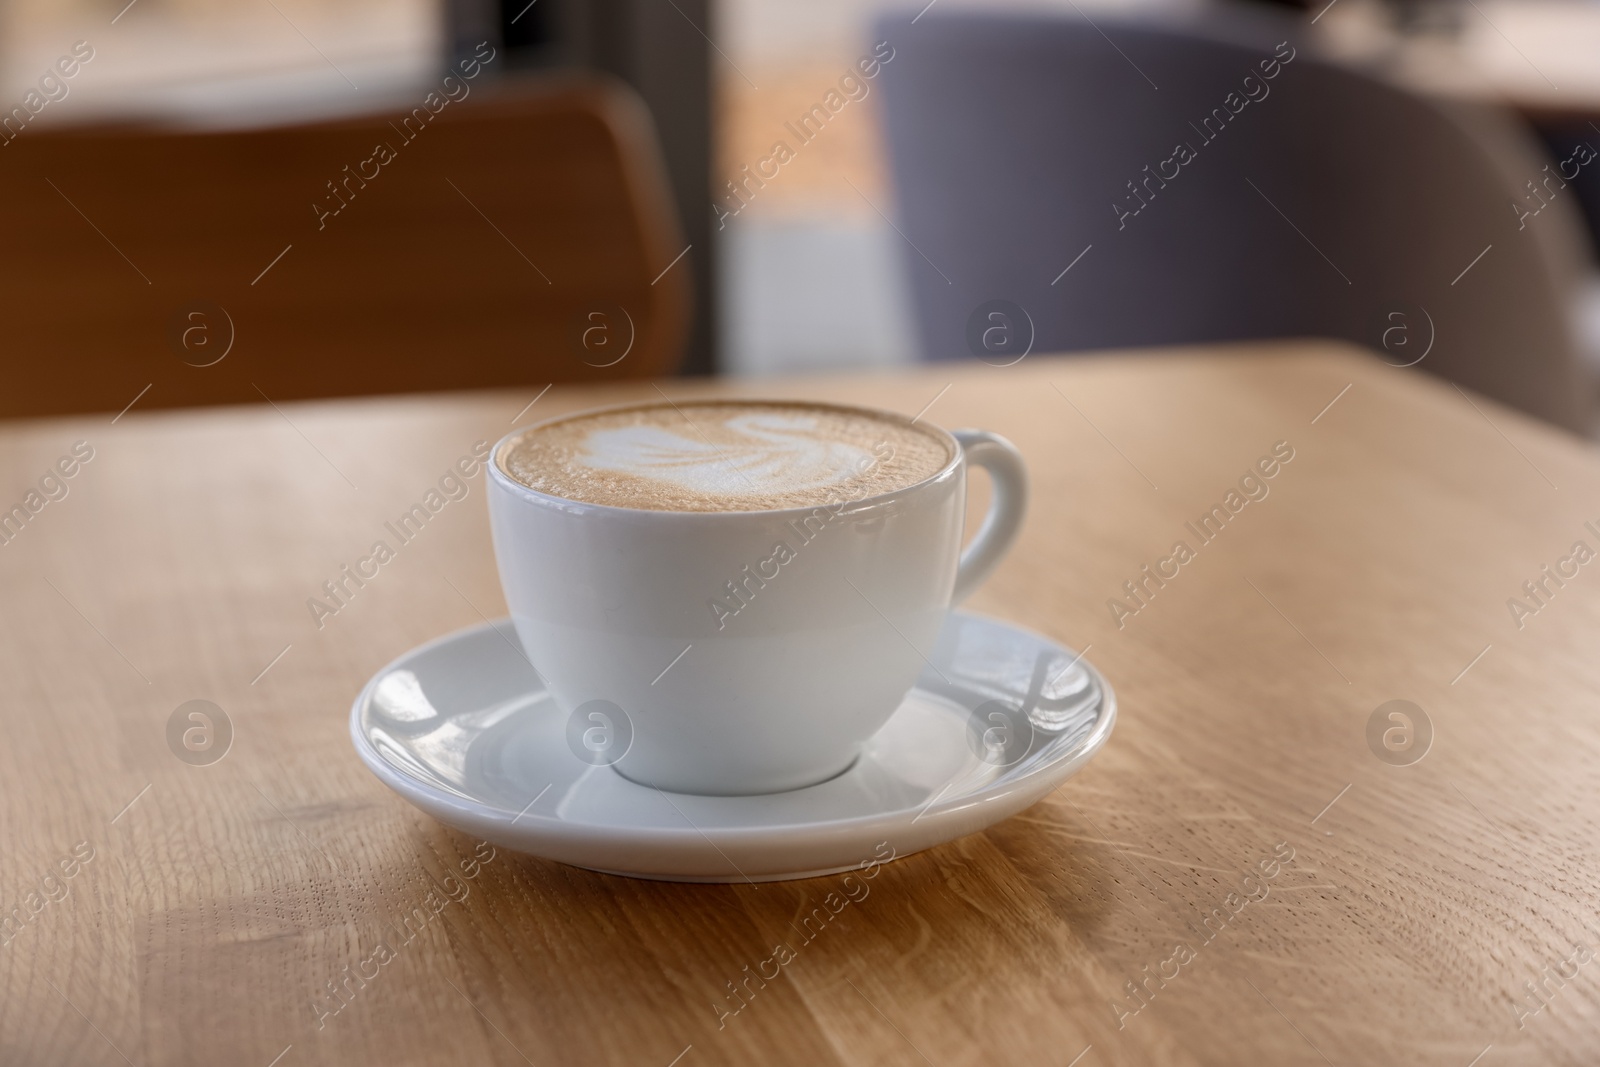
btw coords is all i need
(479, 813)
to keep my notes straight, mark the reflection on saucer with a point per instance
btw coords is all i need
(463, 728)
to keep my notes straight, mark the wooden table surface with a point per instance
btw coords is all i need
(1237, 877)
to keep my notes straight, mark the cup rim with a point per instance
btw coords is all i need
(945, 472)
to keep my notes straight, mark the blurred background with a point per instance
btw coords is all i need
(203, 211)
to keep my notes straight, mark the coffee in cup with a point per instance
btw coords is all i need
(754, 585)
(724, 456)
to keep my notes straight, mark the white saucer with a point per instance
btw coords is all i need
(463, 728)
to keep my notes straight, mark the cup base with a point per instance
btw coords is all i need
(679, 788)
(510, 778)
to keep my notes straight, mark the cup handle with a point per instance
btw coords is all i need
(1007, 505)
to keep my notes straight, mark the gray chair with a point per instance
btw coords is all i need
(1326, 206)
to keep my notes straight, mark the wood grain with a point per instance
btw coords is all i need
(1418, 900)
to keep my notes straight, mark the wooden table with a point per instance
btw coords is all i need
(219, 901)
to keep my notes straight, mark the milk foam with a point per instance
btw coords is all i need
(772, 453)
(724, 456)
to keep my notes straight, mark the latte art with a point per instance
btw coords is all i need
(735, 456)
(781, 453)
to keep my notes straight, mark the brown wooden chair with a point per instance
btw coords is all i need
(520, 234)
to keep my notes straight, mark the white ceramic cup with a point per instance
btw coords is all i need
(619, 605)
